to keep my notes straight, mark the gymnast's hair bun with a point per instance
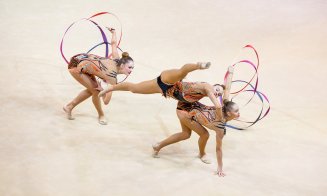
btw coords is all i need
(125, 54)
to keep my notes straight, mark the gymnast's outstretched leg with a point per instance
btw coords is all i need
(146, 87)
(174, 75)
(151, 86)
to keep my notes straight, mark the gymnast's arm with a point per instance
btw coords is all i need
(219, 152)
(107, 97)
(218, 127)
(210, 93)
(115, 54)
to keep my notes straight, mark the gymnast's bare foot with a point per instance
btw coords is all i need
(204, 65)
(156, 149)
(106, 89)
(204, 158)
(68, 110)
(103, 120)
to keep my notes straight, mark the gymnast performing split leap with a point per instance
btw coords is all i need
(169, 84)
(84, 67)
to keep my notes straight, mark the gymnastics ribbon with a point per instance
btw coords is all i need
(263, 98)
(253, 89)
(104, 37)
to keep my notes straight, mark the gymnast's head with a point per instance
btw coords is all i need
(231, 110)
(125, 64)
(218, 89)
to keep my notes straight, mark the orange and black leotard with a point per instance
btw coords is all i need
(206, 115)
(185, 92)
(75, 60)
(163, 86)
(95, 63)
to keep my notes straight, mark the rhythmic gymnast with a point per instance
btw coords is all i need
(169, 84)
(84, 68)
(196, 116)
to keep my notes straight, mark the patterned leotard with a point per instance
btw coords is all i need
(205, 115)
(184, 92)
(99, 66)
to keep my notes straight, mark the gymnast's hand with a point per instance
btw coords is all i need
(105, 90)
(112, 30)
(99, 87)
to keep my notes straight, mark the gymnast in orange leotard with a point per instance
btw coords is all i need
(196, 116)
(85, 67)
(169, 84)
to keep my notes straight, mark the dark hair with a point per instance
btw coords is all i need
(125, 58)
(222, 86)
(228, 105)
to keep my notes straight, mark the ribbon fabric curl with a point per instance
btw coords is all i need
(103, 36)
(247, 86)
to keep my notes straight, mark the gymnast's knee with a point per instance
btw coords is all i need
(205, 135)
(94, 92)
(185, 136)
